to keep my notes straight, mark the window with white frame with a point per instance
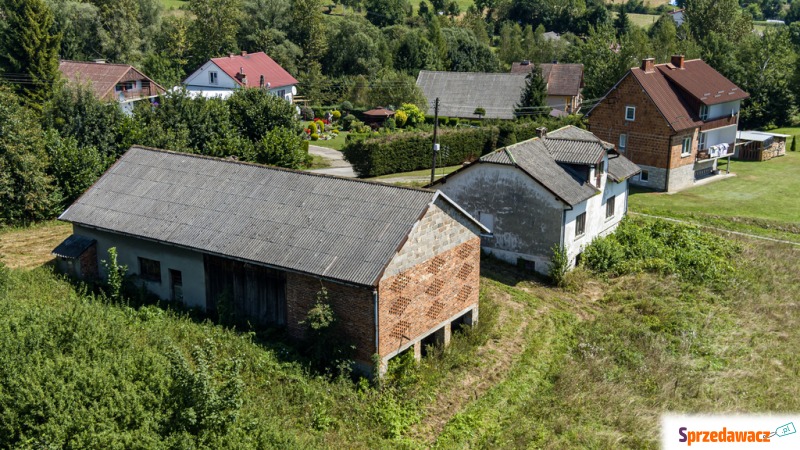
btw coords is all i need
(212, 77)
(580, 225)
(704, 112)
(686, 148)
(701, 141)
(610, 203)
(630, 113)
(623, 142)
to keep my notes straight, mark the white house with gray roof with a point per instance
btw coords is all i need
(401, 266)
(562, 188)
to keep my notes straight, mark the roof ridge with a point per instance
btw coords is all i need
(281, 169)
(96, 63)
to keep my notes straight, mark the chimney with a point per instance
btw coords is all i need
(230, 55)
(542, 132)
(526, 62)
(241, 76)
(677, 61)
(244, 52)
(648, 65)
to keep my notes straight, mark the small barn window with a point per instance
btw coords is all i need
(580, 225)
(610, 203)
(644, 176)
(150, 270)
(212, 77)
(630, 113)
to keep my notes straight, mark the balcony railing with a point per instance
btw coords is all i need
(715, 152)
(132, 94)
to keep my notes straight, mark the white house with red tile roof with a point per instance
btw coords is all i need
(219, 77)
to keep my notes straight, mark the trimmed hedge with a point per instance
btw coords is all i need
(404, 152)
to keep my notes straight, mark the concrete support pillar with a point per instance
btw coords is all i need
(418, 350)
(472, 317)
(447, 332)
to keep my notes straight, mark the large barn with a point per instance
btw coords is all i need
(400, 265)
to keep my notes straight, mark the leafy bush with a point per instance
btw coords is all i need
(320, 125)
(414, 116)
(443, 121)
(115, 275)
(346, 106)
(306, 113)
(390, 124)
(336, 115)
(453, 122)
(314, 137)
(281, 147)
(400, 118)
(313, 127)
(326, 348)
(480, 112)
(559, 265)
(347, 121)
(664, 247)
(73, 168)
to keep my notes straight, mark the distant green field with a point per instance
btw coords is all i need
(173, 4)
(760, 199)
(643, 20)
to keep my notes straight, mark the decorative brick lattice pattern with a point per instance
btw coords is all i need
(400, 329)
(465, 251)
(400, 283)
(435, 288)
(464, 293)
(435, 265)
(464, 272)
(435, 309)
(399, 305)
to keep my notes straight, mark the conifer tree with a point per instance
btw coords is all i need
(29, 50)
(534, 94)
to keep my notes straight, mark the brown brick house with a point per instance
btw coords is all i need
(675, 120)
(400, 265)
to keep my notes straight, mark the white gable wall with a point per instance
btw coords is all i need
(200, 78)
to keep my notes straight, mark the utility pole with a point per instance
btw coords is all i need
(435, 143)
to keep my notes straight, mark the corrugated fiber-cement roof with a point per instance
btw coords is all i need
(331, 227)
(460, 93)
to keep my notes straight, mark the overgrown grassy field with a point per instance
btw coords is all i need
(592, 365)
(761, 199)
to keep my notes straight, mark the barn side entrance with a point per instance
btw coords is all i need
(253, 293)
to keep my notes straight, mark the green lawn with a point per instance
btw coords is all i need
(336, 143)
(760, 199)
(643, 20)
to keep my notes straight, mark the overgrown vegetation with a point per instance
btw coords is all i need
(589, 367)
(662, 247)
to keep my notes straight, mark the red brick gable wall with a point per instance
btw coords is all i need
(648, 135)
(353, 306)
(415, 302)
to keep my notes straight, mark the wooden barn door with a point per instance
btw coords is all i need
(256, 294)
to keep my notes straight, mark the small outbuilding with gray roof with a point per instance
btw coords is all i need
(563, 188)
(399, 265)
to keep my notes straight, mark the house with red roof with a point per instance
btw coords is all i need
(677, 121)
(219, 77)
(114, 82)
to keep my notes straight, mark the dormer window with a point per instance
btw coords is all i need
(704, 112)
(212, 77)
(630, 113)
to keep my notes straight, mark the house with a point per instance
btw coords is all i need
(461, 93)
(675, 120)
(113, 82)
(219, 77)
(677, 16)
(400, 265)
(759, 145)
(563, 188)
(564, 84)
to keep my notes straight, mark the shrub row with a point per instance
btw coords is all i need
(404, 152)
